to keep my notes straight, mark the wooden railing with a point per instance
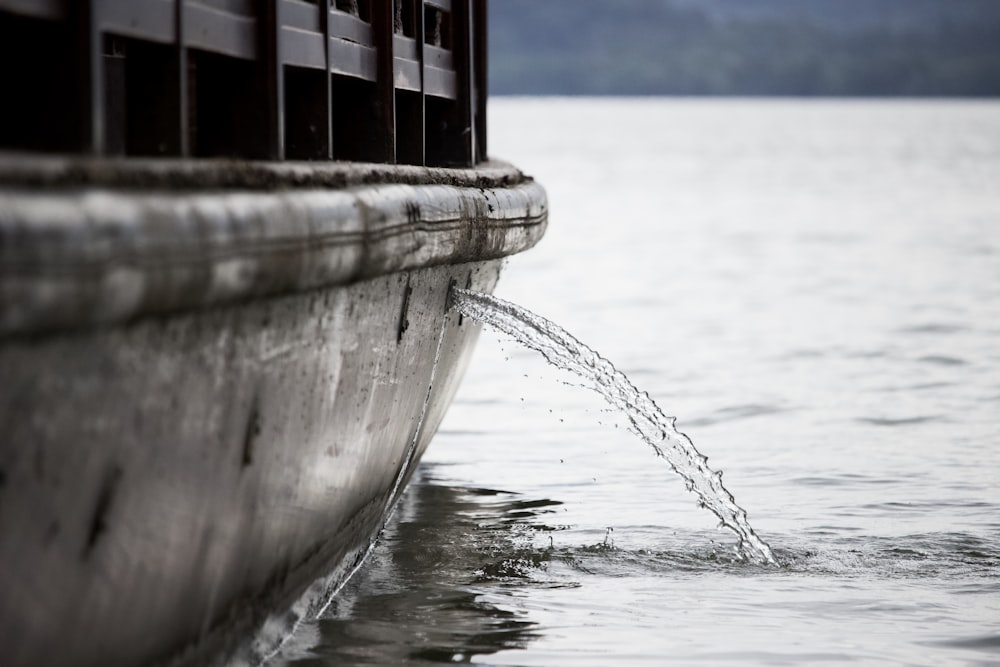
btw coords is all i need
(391, 81)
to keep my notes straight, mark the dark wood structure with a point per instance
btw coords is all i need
(389, 81)
(229, 230)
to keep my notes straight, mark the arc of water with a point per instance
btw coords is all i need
(563, 350)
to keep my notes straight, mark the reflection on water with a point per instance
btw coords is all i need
(455, 572)
(425, 595)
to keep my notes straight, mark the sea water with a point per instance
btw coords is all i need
(813, 289)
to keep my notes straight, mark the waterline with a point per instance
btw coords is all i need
(563, 350)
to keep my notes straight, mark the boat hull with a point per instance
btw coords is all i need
(211, 400)
(188, 473)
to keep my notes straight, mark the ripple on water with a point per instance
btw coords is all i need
(734, 413)
(844, 479)
(990, 643)
(919, 556)
(926, 557)
(919, 386)
(933, 328)
(942, 360)
(899, 421)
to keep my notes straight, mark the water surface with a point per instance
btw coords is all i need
(813, 289)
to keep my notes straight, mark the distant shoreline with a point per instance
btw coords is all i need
(795, 48)
(762, 98)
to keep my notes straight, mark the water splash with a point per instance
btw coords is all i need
(564, 351)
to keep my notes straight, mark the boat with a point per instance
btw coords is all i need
(228, 234)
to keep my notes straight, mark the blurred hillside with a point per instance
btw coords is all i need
(745, 47)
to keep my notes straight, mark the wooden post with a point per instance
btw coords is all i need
(466, 52)
(481, 87)
(271, 61)
(383, 21)
(183, 118)
(85, 16)
(421, 31)
(324, 8)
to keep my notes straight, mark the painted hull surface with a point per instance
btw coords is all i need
(187, 469)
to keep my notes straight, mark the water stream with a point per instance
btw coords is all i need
(564, 351)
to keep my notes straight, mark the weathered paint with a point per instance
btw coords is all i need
(167, 482)
(211, 392)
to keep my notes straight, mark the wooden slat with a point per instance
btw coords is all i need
(302, 35)
(243, 7)
(439, 72)
(350, 28)
(406, 75)
(301, 15)
(151, 20)
(352, 59)
(406, 66)
(435, 56)
(404, 47)
(211, 29)
(302, 48)
(52, 10)
(440, 82)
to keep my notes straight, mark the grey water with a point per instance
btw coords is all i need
(813, 288)
(563, 350)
